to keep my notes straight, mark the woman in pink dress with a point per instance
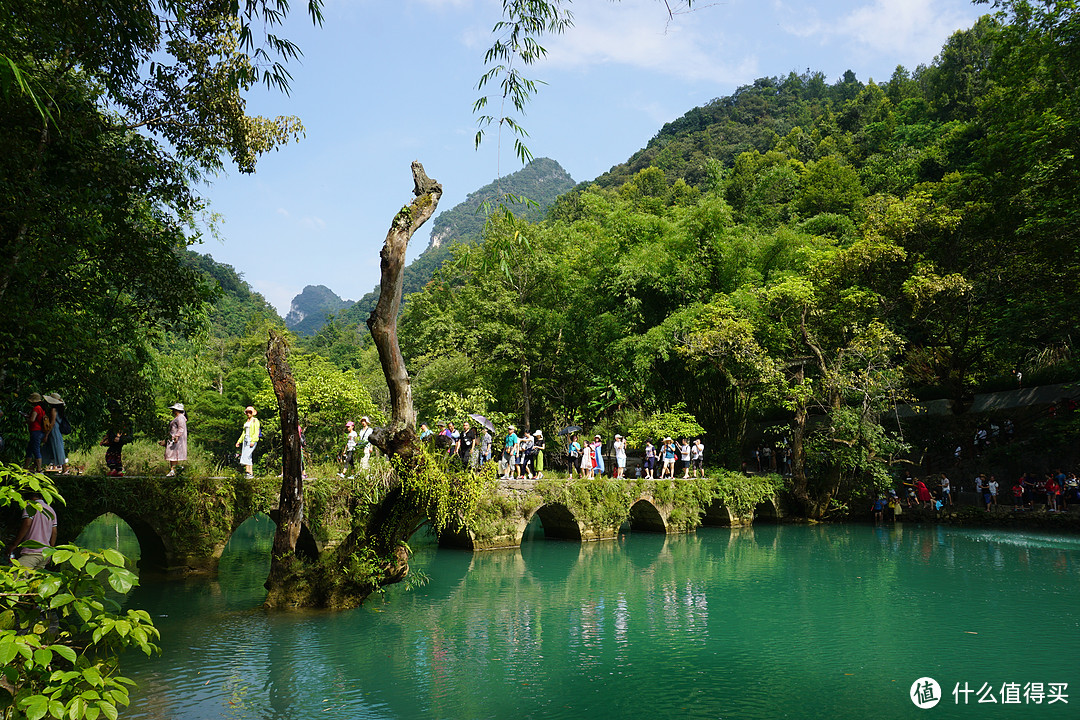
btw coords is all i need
(176, 443)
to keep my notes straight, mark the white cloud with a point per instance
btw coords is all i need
(910, 30)
(313, 223)
(638, 34)
(283, 212)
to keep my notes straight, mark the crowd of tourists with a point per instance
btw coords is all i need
(1053, 491)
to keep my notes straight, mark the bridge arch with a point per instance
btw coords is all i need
(153, 553)
(766, 512)
(717, 514)
(646, 517)
(306, 544)
(559, 523)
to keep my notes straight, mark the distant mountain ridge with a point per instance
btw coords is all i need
(309, 310)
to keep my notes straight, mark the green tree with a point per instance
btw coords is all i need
(61, 631)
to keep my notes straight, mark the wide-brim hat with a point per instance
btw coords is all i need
(350, 423)
(34, 398)
(365, 419)
(54, 399)
(539, 433)
(252, 409)
(177, 406)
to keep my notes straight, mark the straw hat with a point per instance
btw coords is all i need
(177, 406)
(34, 398)
(54, 399)
(252, 409)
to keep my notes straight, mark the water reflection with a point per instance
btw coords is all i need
(762, 622)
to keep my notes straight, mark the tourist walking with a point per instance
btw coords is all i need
(53, 454)
(697, 458)
(466, 443)
(538, 453)
(588, 465)
(507, 465)
(667, 456)
(620, 456)
(650, 460)
(597, 448)
(176, 442)
(38, 527)
(114, 442)
(35, 424)
(350, 449)
(946, 489)
(363, 441)
(249, 437)
(992, 487)
(1053, 490)
(485, 448)
(526, 448)
(573, 456)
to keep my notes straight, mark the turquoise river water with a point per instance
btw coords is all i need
(763, 622)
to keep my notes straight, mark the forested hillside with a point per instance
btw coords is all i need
(799, 251)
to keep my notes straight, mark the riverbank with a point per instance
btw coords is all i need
(999, 517)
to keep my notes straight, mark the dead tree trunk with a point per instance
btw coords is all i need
(398, 438)
(291, 500)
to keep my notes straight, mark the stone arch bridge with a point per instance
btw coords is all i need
(183, 524)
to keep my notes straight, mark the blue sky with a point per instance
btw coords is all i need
(384, 83)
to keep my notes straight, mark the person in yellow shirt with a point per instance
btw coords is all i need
(249, 436)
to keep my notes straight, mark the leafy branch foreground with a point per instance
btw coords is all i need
(61, 635)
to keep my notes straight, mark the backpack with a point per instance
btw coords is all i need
(65, 426)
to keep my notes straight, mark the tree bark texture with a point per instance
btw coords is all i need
(291, 500)
(399, 436)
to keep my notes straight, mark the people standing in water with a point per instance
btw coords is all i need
(176, 442)
(249, 437)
